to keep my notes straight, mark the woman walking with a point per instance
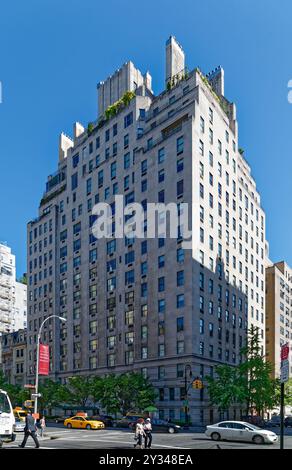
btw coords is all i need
(42, 426)
(139, 433)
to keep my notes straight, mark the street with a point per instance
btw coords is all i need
(58, 437)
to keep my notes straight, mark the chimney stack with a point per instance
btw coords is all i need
(175, 59)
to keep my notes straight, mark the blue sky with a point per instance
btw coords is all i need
(53, 53)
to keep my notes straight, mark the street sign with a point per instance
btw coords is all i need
(284, 363)
(36, 395)
(285, 352)
(284, 371)
(28, 386)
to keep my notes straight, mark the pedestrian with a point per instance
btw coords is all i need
(139, 433)
(30, 430)
(42, 425)
(148, 433)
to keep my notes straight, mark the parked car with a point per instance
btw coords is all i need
(126, 421)
(107, 420)
(274, 421)
(159, 425)
(240, 431)
(19, 425)
(59, 419)
(256, 420)
(80, 422)
(288, 421)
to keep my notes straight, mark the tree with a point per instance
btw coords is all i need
(259, 387)
(80, 389)
(17, 394)
(226, 388)
(23, 279)
(52, 394)
(125, 392)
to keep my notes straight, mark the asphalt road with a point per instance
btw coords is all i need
(62, 438)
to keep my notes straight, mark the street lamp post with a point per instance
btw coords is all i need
(189, 368)
(37, 363)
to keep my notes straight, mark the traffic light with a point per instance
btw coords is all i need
(197, 384)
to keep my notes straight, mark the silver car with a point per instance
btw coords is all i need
(240, 431)
(19, 425)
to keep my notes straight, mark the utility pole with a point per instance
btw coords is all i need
(282, 416)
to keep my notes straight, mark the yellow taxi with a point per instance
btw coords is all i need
(19, 413)
(82, 422)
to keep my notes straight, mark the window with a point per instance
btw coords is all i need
(93, 255)
(180, 255)
(180, 165)
(180, 347)
(180, 188)
(75, 160)
(128, 120)
(127, 160)
(113, 170)
(161, 175)
(180, 301)
(161, 155)
(161, 305)
(76, 228)
(180, 145)
(180, 278)
(201, 148)
(180, 324)
(74, 181)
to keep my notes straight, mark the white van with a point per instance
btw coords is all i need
(7, 419)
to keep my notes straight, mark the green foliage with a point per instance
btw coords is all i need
(90, 128)
(80, 389)
(16, 393)
(288, 392)
(52, 394)
(249, 383)
(227, 388)
(116, 107)
(22, 279)
(125, 392)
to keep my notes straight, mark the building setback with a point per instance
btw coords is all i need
(149, 305)
(278, 313)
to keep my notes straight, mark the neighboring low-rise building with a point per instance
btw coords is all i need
(278, 313)
(14, 357)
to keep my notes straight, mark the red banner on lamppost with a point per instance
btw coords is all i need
(44, 359)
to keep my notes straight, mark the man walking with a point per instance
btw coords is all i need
(30, 430)
(148, 433)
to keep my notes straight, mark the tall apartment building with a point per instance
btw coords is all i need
(278, 313)
(13, 302)
(149, 305)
